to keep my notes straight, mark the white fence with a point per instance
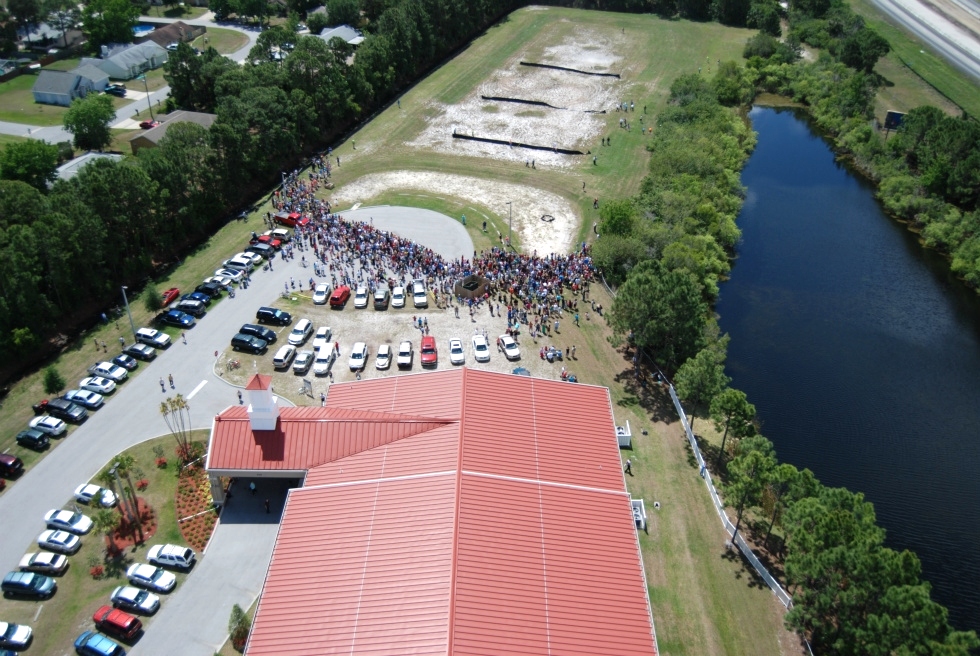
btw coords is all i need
(777, 589)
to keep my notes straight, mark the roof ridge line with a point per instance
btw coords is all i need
(375, 481)
(541, 520)
(454, 561)
(538, 481)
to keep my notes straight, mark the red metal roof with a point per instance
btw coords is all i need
(502, 528)
(259, 382)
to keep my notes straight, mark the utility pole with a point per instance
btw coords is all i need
(147, 89)
(126, 303)
(510, 222)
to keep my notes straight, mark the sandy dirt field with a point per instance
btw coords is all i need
(529, 204)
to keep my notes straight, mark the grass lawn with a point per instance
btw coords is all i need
(59, 620)
(908, 51)
(154, 81)
(222, 40)
(183, 11)
(64, 64)
(17, 104)
(9, 138)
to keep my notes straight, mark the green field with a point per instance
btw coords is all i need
(224, 41)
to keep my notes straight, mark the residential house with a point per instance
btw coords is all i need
(151, 138)
(60, 87)
(124, 62)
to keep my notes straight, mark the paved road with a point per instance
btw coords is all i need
(445, 236)
(235, 566)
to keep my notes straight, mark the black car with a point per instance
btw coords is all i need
(64, 410)
(142, 352)
(274, 316)
(125, 361)
(211, 289)
(175, 318)
(266, 251)
(267, 334)
(197, 296)
(248, 343)
(33, 439)
(116, 90)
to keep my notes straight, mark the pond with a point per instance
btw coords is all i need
(860, 351)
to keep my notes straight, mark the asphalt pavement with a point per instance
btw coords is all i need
(233, 569)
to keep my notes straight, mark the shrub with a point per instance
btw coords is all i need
(161, 462)
(152, 299)
(238, 627)
(97, 571)
(142, 484)
(54, 382)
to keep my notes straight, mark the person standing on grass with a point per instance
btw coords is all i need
(629, 467)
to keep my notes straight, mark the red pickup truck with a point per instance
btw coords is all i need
(291, 219)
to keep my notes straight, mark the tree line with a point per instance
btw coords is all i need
(666, 249)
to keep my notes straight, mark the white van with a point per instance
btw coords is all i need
(324, 358)
(284, 357)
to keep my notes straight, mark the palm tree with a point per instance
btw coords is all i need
(106, 521)
(177, 414)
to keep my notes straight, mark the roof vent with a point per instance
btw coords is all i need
(263, 406)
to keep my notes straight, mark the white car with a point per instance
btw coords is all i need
(361, 298)
(301, 332)
(153, 578)
(323, 336)
(456, 354)
(419, 297)
(48, 424)
(66, 520)
(44, 562)
(405, 355)
(303, 362)
(358, 356)
(59, 541)
(97, 384)
(324, 358)
(84, 398)
(171, 555)
(254, 258)
(239, 263)
(507, 344)
(383, 360)
(108, 370)
(153, 337)
(398, 297)
(235, 275)
(321, 293)
(224, 281)
(16, 636)
(134, 599)
(87, 492)
(481, 349)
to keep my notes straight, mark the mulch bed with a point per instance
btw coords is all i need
(193, 502)
(124, 537)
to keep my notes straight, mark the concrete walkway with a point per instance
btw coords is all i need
(194, 619)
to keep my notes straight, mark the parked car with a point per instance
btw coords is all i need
(175, 318)
(84, 398)
(361, 298)
(148, 124)
(322, 337)
(321, 293)
(134, 599)
(248, 343)
(325, 356)
(381, 297)
(429, 355)
(212, 289)
(15, 636)
(44, 562)
(10, 465)
(358, 356)
(240, 262)
(222, 281)
(170, 296)
(281, 234)
(62, 409)
(192, 307)
(265, 250)
(419, 295)
(405, 354)
(143, 352)
(197, 296)
(126, 362)
(233, 275)
(398, 297)
(97, 384)
(267, 334)
(339, 296)
(91, 643)
(507, 344)
(151, 577)
(171, 555)
(273, 316)
(303, 362)
(32, 439)
(59, 541)
(117, 90)
(29, 584)
(284, 357)
(88, 492)
(251, 256)
(456, 353)
(301, 332)
(267, 239)
(116, 622)
(481, 349)
(152, 337)
(383, 361)
(48, 424)
(108, 370)
(66, 520)
(290, 219)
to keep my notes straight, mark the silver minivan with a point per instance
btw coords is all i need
(284, 357)
(324, 357)
(301, 332)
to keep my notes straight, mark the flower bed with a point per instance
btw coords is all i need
(195, 507)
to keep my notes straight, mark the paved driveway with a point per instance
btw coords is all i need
(235, 566)
(442, 234)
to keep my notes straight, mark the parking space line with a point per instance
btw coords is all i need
(197, 389)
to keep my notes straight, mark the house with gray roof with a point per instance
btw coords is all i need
(124, 62)
(70, 169)
(345, 32)
(95, 75)
(151, 138)
(60, 87)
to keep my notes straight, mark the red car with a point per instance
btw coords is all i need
(171, 295)
(148, 124)
(340, 296)
(291, 219)
(118, 623)
(268, 240)
(429, 356)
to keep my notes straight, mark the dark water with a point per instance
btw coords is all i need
(860, 352)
